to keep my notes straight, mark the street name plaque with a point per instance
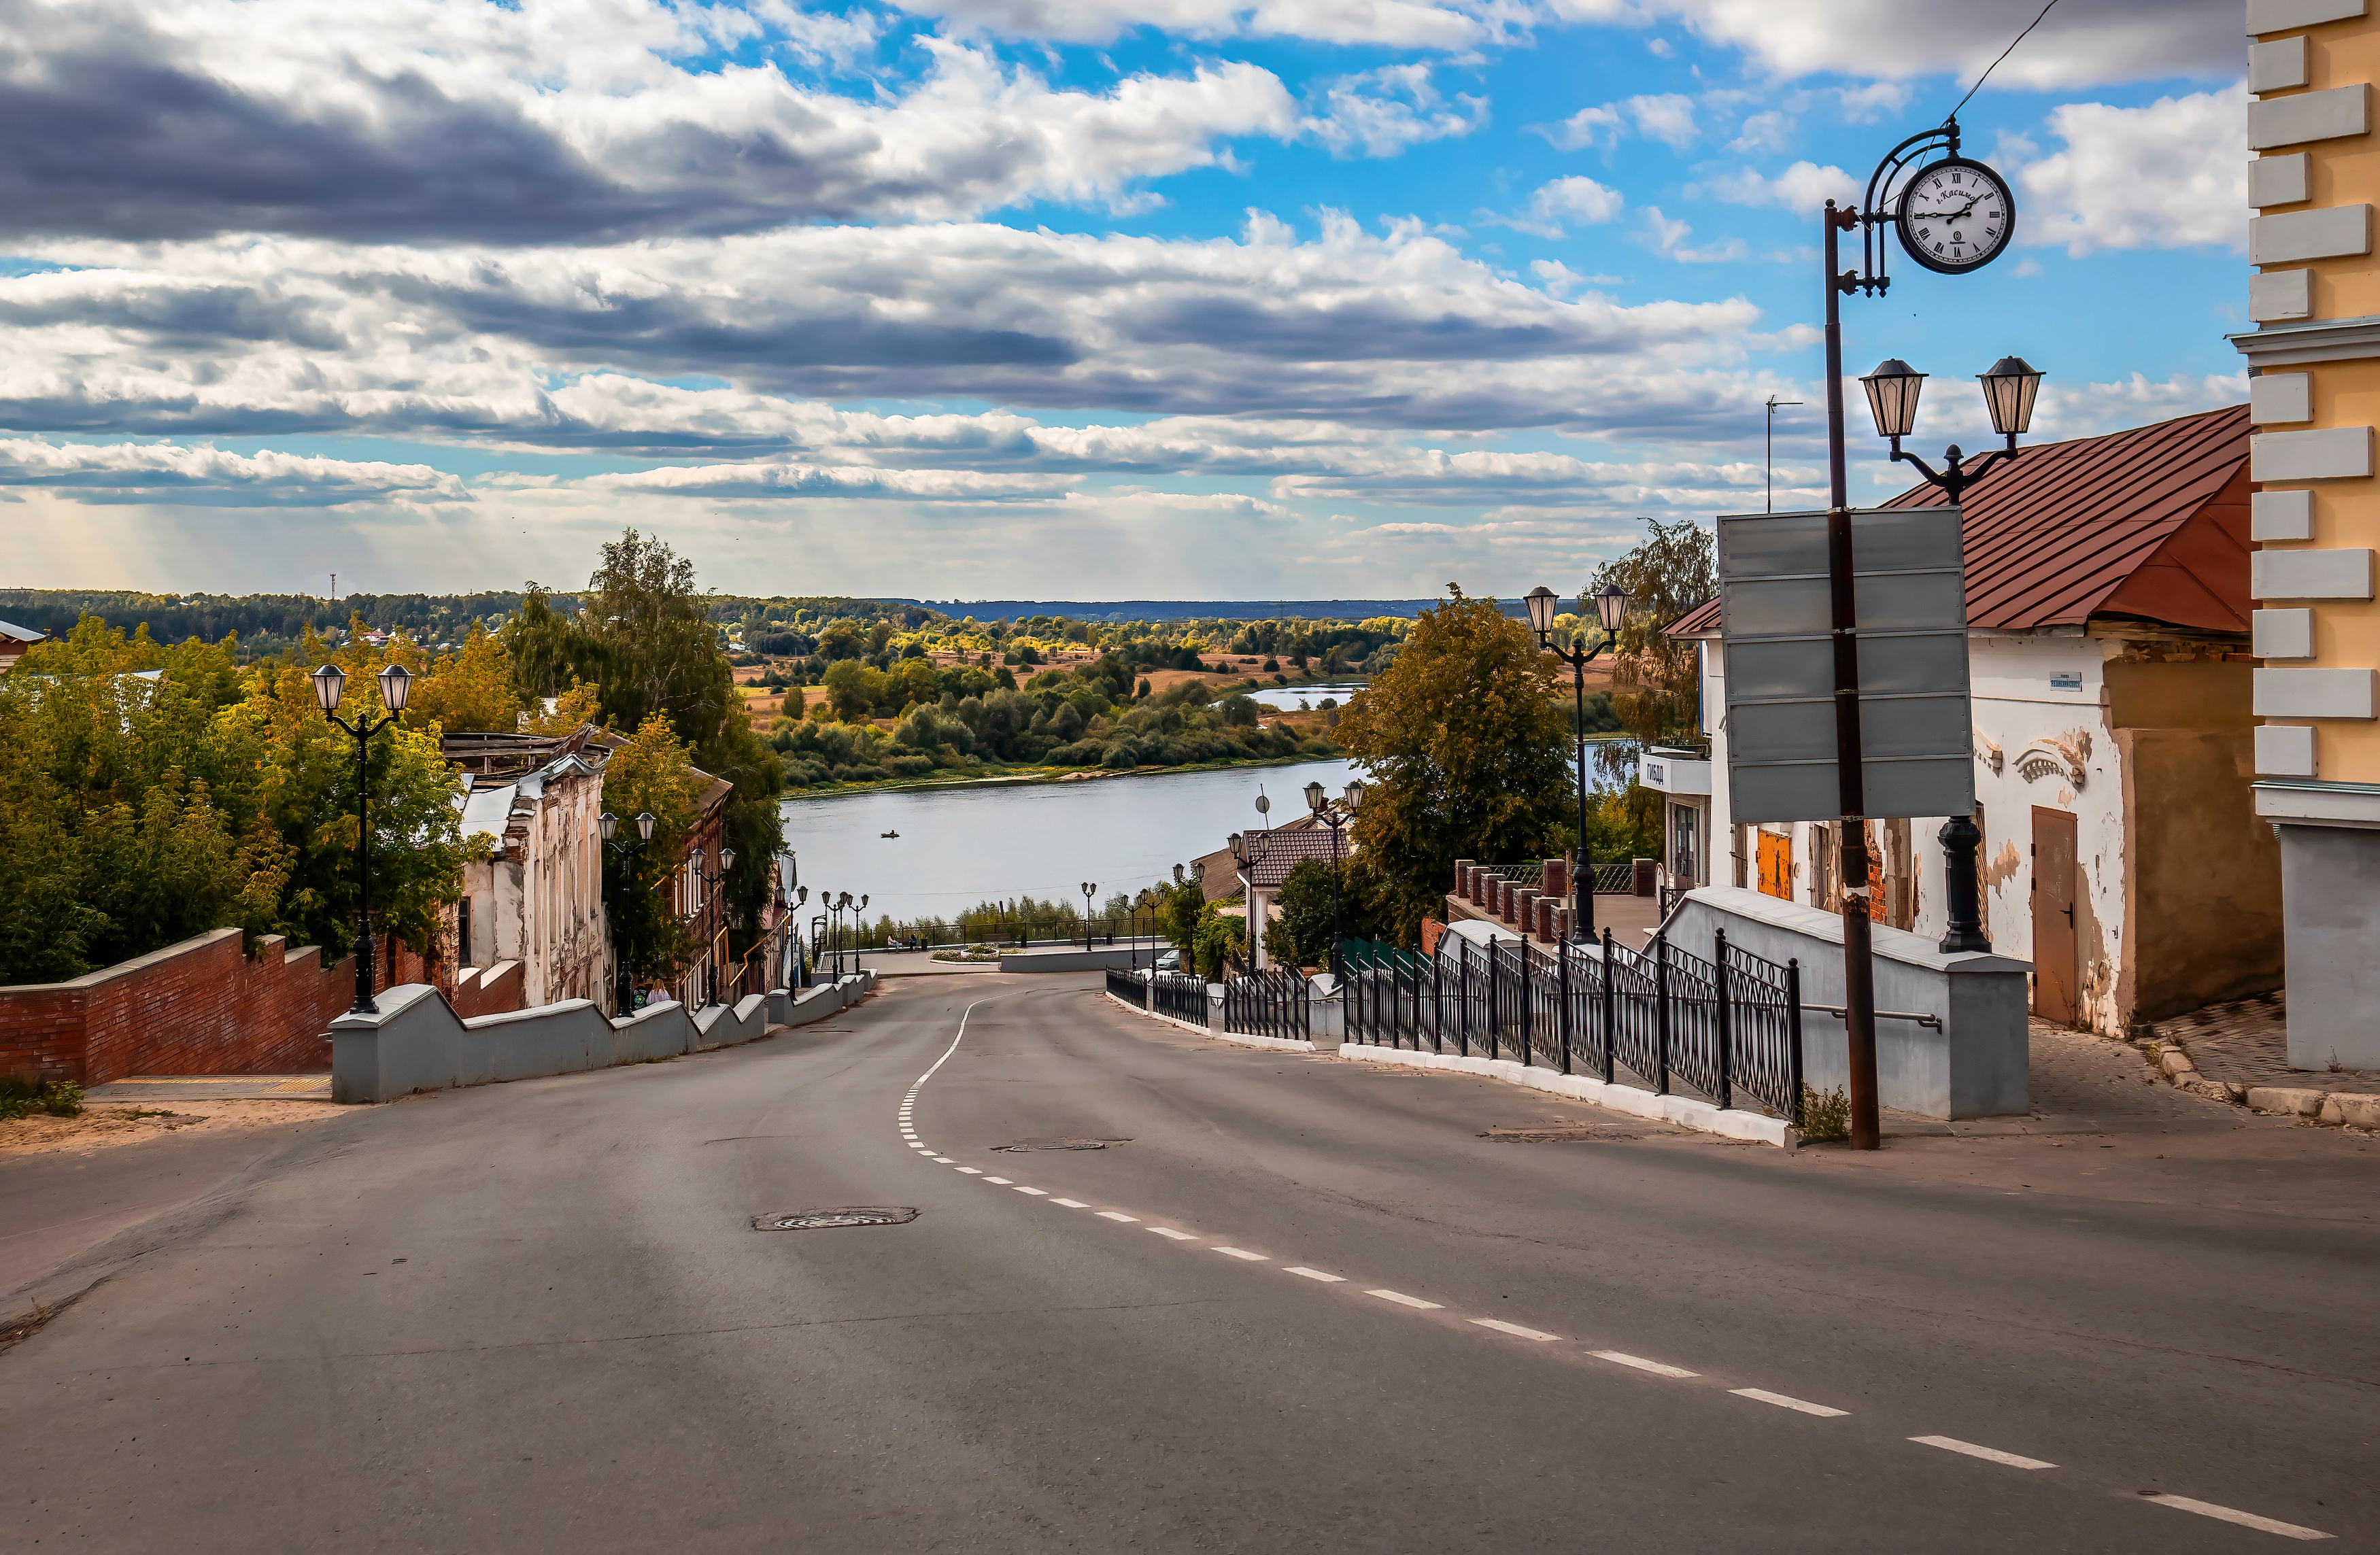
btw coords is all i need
(1776, 647)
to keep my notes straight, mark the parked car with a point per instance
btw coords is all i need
(1170, 962)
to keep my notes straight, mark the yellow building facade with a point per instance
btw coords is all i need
(2315, 397)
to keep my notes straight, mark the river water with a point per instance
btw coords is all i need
(959, 846)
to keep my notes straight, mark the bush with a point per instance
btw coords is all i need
(22, 1098)
(1827, 1116)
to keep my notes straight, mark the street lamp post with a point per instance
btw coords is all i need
(713, 883)
(1090, 890)
(1610, 608)
(395, 684)
(2009, 389)
(625, 853)
(1317, 801)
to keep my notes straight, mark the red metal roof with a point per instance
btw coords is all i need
(2149, 524)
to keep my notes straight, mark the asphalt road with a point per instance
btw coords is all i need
(537, 1317)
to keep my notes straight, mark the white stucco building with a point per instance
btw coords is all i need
(539, 901)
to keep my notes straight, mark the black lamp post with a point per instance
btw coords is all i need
(2009, 389)
(1611, 609)
(396, 683)
(625, 853)
(713, 883)
(1319, 803)
(1090, 890)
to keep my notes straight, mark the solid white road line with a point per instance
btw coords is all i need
(1038, 1192)
(1241, 1253)
(1317, 1274)
(1112, 1215)
(1171, 1235)
(1515, 1329)
(1989, 1454)
(2228, 1515)
(1403, 1300)
(1781, 1402)
(1620, 1357)
(1070, 1203)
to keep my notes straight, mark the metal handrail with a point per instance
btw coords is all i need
(1920, 1016)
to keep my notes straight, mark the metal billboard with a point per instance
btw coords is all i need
(1776, 646)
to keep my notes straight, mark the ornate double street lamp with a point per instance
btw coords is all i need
(1952, 216)
(1319, 802)
(396, 683)
(1611, 609)
(625, 853)
(1090, 890)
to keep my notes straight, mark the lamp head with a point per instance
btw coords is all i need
(1893, 390)
(727, 859)
(2008, 390)
(396, 684)
(645, 826)
(1314, 797)
(609, 824)
(863, 901)
(1612, 607)
(329, 681)
(1540, 600)
(1356, 795)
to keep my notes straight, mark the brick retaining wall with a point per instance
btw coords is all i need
(201, 1008)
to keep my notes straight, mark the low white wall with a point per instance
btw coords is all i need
(1682, 1111)
(417, 1042)
(1973, 1066)
(1075, 960)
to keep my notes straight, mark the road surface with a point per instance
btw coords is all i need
(1304, 1305)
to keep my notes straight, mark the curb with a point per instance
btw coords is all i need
(2352, 1109)
(1701, 1116)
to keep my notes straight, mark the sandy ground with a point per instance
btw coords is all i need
(107, 1125)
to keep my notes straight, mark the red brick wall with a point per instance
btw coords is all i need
(203, 1008)
(493, 993)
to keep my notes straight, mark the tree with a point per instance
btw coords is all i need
(1466, 751)
(470, 689)
(1656, 679)
(654, 773)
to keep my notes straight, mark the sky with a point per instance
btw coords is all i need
(1041, 298)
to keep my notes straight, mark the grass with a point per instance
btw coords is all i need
(21, 1098)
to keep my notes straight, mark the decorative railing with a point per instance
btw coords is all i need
(1277, 1002)
(1730, 1028)
(1129, 985)
(1183, 996)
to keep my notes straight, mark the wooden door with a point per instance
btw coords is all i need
(1777, 865)
(2054, 881)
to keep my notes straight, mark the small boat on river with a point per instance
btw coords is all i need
(888, 833)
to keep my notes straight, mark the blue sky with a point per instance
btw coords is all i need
(1040, 297)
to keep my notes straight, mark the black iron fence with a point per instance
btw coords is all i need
(1128, 986)
(1276, 1002)
(1183, 996)
(1729, 1028)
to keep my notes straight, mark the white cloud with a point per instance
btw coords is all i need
(778, 481)
(1890, 39)
(1803, 187)
(128, 472)
(1563, 201)
(1667, 238)
(1666, 116)
(1397, 24)
(2171, 175)
(1381, 111)
(1431, 477)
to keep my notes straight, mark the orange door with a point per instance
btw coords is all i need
(1777, 865)
(2054, 882)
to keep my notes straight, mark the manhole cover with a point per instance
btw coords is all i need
(1024, 1144)
(819, 1220)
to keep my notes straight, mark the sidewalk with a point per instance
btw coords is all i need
(211, 1087)
(2245, 1043)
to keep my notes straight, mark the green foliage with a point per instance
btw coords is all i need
(654, 774)
(1468, 755)
(1827, 1116)
(1306, 909)
(1217, 941)
(1655, 680)
(21, 1098)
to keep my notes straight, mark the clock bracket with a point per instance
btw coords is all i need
(1892, 176)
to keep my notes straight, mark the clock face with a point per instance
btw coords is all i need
(1956, 216)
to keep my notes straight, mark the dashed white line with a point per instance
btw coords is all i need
(942, 1161)
(1037, 1193)
(1112, 1215)
(1515, 1329)
(1070, 1203)
(1241, 1253)
(1781, 1402)
(1316, 1274)
(1403, 1300)
(972, 1171)
(1173, 1236)
(1989, 1454)
(2229, 1515)
(1004, 1182)
(1620, 1357)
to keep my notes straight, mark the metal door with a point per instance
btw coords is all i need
(2054, 882)
(1777, 865)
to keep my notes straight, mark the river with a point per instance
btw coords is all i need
(959, 846)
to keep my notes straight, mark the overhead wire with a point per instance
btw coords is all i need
(1996, 63)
